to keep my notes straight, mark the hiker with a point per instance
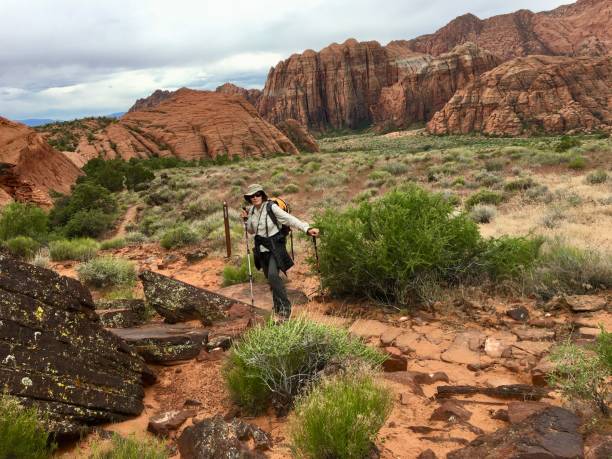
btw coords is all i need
(270, 252)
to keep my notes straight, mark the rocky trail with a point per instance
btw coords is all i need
(465, 375)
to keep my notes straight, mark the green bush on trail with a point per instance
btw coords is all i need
(129, 448)
(384, 248)
(509, 258)
(340, 417)
(81, 249)
(104, 272)
(273, 363)
(22, 247)
(239, 274)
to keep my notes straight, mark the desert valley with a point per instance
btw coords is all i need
(457, 303)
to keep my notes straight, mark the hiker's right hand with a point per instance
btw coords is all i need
(244, 214)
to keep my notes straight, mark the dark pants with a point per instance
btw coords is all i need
(282, 305)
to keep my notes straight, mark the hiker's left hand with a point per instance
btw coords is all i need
(314, 232)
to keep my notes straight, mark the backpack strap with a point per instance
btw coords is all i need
(271, 214)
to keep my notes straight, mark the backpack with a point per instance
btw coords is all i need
(284, 229)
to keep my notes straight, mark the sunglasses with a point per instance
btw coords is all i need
(259, 194)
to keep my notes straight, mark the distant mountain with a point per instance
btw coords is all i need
(116, 115)
(32, 122)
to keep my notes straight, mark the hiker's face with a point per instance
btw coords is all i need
(257, 199)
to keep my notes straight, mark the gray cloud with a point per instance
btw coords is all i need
(71, 58)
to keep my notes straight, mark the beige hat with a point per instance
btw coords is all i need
(252, 189)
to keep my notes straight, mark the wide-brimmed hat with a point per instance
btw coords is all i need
(252, 189)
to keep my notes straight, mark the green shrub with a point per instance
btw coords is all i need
(178, 236)
(201, 208)
(107, 272)
(381, 249)
(22, 434)
(41, 258)
(115, 243)
(596, 177)
(482, 213)
(129, 448)
(88, 223)
(134, 238)
(521, 184)
(273, 363)
(81, 249)
(395, 168)
(566, 143)
(493, 165)
(483, 197)
(22, 247)
(583, 373)
(577, 162)
(291, 188)
(487, 179)
(340, 417)
(239, 274)
(17, 219)
(566, 269)
(510, 257)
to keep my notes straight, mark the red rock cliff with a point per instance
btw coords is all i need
(252, 95)
(156, 98)
(428, 84)
(532, 94)
(29, 167)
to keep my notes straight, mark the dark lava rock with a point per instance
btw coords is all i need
(177, 301)
(55, 355)
(427, 454)
(520, 314)
(224, 342)
(164, 343)
(196, 255)
(548, 434)
(214, 438)
(122, 313)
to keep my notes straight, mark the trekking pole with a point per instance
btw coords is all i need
(314, 241)
(248, 252)
(292, 253)
(228, 240)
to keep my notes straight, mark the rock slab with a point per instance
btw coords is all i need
(177, 301)
(551, 433)
(164, 343)
(215, 438)
(55, 354)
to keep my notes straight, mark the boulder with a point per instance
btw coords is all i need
(396, 361)
(585, 303)
(177, 301)
(162, 423)
(464, 349)
(534, 334)
(520, 314)
(215, 438)
(449, 411)
(55, 354)
(164, 343)
(551, 433)
(122, 313)
(518, 411)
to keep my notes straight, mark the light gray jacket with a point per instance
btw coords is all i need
(259, 223)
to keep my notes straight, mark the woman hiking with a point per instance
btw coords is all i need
(265, 219)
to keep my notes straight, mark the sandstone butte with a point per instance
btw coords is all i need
(552, 94)
(30, 168)
(429, 84)
(189, 125)
(353, 84)
(252, 95)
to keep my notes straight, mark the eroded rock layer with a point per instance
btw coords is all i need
(579, 29)
(530, 95)
(156, 98)
(54, 353)
(429, 85)
(299, 135)
(190, 125)
(29, 168)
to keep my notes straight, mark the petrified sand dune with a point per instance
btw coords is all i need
(252, 95)
(190, 125)
(532, 94)
(29, 167)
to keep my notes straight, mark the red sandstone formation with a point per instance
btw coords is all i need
(252, 95)
(429, 84)
(156, 98)
(190, 125)
(29, 167)
(332, 88)
(532, 94)
(299, 135)
(582, 28)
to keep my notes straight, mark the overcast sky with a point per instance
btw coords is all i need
(63, 59)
